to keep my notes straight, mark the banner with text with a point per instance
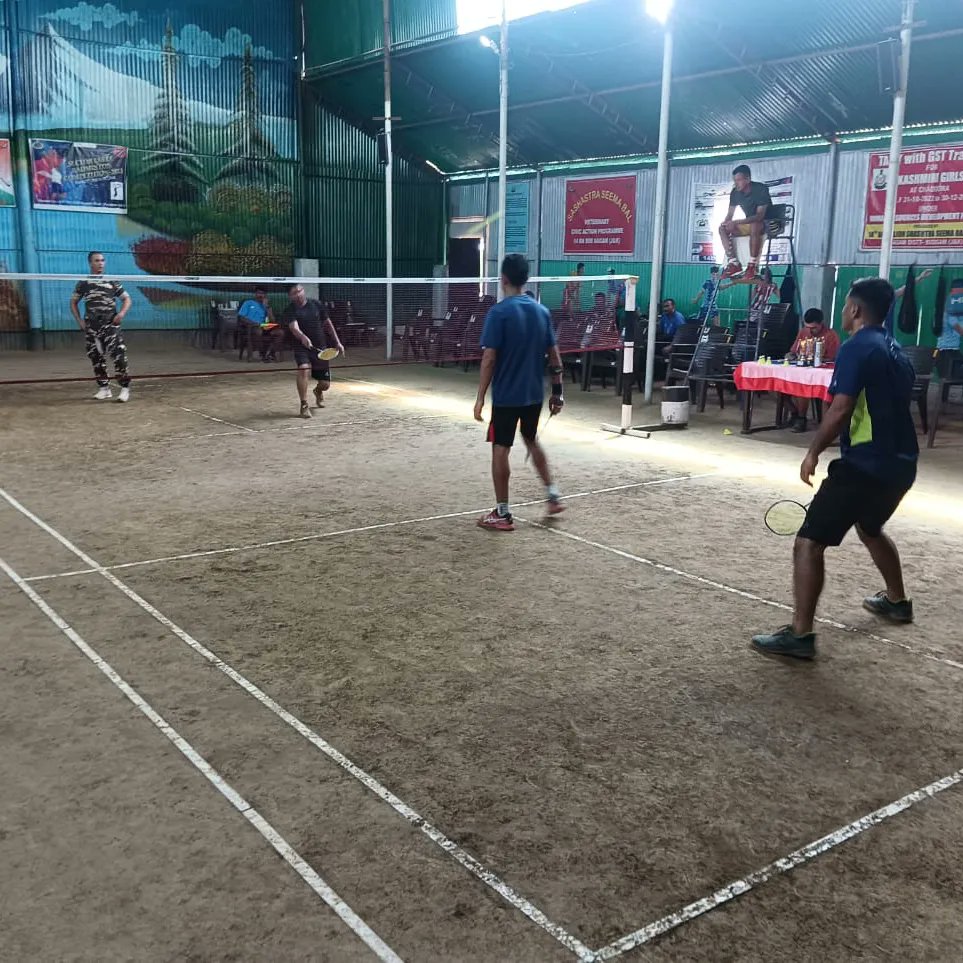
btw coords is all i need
(600, 215)
(79, 177)
(710, 204)
(516, 217)
(6, 175)
(929, 200)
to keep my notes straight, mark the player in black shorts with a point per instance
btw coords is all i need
(516, 336)
(872, 388)
(312, 329)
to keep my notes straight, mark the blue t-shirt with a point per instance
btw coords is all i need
(709, 292)
(253, 312)
(949, 340)
(520, 330)
(670, 323)
(880, 438)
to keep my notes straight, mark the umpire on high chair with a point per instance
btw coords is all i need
(101, 325)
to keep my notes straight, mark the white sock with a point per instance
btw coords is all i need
(553, 492)
(503, 509)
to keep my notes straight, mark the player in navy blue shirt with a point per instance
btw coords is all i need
(515, 338)
(872, 388)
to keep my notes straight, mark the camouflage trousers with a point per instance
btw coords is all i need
(101, 342)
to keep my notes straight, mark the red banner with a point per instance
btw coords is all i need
(600, 215)
(929, 199)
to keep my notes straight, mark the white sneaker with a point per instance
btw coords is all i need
(104, 394)
(124, 394)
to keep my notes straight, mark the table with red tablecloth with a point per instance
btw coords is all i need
(783, 379)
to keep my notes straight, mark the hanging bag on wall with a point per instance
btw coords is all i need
(940, 305)
(908, 319)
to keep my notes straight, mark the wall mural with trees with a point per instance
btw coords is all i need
(203, 94)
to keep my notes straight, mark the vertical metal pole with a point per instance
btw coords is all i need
(826, 249)
(658, 222)
(502, 138)
(538, 232)
(389, 193)
(445, 218)
(896, 141)
(23, 192)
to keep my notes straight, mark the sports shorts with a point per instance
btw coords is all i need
(850, 497)
(320, 370)
(505, 422)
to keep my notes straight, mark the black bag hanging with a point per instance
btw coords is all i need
(908, 315)
(940, 304)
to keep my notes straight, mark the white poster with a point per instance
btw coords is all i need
(710, 204)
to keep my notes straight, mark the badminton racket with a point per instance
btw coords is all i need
(541, 430)
(786, 517)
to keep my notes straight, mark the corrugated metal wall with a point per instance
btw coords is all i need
(340, 30)
(812, 177)
(344, 204)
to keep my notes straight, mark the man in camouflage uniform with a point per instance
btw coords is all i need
(101, 325)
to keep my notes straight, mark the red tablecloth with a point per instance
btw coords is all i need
(790, 380)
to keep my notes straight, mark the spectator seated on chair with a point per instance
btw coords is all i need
(670, 320)
(256, 312)
(813, 327)
(604, 330)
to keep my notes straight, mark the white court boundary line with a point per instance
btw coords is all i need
(752, 597)
(469, 862)
(220, 421)
(381, 526)
(781, 866)
(280, 845)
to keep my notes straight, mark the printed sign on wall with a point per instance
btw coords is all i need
(929, 199)
(600, 215)
(69, 176)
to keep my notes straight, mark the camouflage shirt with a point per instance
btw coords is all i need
(99, 296)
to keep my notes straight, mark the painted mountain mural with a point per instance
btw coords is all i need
(203, 95)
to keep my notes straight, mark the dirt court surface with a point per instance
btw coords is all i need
(266, 692)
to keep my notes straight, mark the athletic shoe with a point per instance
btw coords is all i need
(104, 394)
(124, 394)
(799, 424)
(784, 642)
(305, 410)
(319, 397)
(497, 523)
(732, 269)
(750, 274)
(899, 612)
(554, 507)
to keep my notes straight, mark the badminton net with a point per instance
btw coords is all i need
(183, 326)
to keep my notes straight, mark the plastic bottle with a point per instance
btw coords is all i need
(818, 354)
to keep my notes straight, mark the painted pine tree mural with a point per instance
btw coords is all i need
(175, 172)
(252, 153)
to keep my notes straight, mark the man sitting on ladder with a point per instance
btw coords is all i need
(753, 197)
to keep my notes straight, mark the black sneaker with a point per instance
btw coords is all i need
(784, 642)
(899, 612)
(799, 424)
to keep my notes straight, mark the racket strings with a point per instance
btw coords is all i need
(785, 518)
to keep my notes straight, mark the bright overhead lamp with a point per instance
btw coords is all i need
(659, 9)
(488, 43)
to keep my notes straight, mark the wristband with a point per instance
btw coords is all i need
(556, 391)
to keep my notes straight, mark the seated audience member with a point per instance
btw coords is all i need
(257, 312)
(601, 319)
(814, 326)
(616, 292)
(670, 320)
(948, 362)
(764, 291)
